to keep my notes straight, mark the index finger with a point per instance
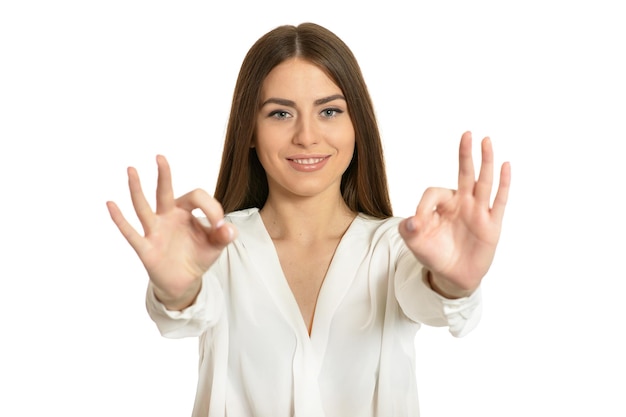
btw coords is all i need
(200, 199)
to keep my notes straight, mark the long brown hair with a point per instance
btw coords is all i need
(242, 181)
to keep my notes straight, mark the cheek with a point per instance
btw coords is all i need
(268, 137)
(350, 140)
(342, 136)
(266, 154)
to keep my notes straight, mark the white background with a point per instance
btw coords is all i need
(88, 88)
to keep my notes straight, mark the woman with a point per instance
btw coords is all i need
(307, 295)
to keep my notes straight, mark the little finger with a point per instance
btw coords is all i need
(130, 234)
(502, 194)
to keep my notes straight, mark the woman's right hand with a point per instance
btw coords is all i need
(176, 248)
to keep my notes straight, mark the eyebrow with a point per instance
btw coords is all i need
(290, 103)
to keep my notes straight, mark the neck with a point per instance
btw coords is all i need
(307, 219)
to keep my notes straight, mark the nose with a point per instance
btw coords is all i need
(306, 134)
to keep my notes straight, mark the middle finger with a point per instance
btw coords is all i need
(165, 192)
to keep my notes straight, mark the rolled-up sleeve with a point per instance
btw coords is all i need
(205, 312)
(422, 304)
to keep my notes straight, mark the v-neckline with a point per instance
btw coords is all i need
(334, 285)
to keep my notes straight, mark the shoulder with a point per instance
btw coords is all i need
(250, 227)
(235, 217)
(240, 214)
(377, 225)
(379, 232)
(380, 238)
(241, 218)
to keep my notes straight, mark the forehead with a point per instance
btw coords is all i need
(297, 76)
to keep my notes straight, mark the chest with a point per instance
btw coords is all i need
(305, 268)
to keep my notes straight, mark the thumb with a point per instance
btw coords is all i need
(223, 234)
(409, 227)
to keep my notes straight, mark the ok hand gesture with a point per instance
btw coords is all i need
(454, 233)
(176, 248)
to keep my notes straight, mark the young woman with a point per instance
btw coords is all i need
(307, 294)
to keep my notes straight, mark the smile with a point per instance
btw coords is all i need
(303, 163)
(308, 161)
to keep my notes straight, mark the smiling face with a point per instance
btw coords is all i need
(304, 136)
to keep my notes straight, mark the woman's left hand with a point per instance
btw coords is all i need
(454, 233)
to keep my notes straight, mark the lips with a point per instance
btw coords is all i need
(308, 163)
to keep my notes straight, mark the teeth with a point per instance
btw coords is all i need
(308, 161)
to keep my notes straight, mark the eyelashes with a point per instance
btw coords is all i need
(279, 114)
(327, 113)
(331, 112)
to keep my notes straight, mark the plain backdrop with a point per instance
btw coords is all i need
(88, 88)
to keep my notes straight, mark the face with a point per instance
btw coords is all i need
(304, 137)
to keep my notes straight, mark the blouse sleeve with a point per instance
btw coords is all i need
(205, 312)
(421, 304)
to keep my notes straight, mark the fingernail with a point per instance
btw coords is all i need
(410, 226)
(220, 223)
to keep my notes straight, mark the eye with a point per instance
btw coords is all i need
(279, 114)
(330, 113)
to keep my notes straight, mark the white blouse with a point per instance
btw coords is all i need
(256, 356)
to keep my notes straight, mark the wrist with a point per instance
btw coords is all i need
(177, 300)
(444, 288)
